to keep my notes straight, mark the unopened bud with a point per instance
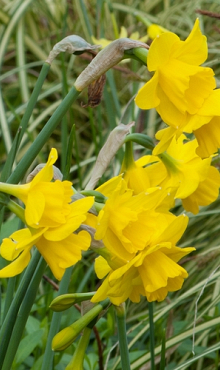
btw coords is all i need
(65, 301)
(66, 336)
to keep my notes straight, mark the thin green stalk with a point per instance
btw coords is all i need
(10, 157)
(137, 53)
(19, 11)
(55, 324)
(43, 136)
(114, 24)
(83, 16)
(151, 321)
(67, 167)
(122, 336)
(64, 124)
(23, 314)
(77, 361)
(163, 352)
(16, 209)
(24, 123)
(8, 324)
(33, 99)
(128, 161)
(9, 295)
(77, 154)
(85, 279)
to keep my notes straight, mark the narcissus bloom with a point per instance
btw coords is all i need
(179, 170)
(180, 85)
(205, 125)
(51, 219)
(151, 272)
(141, 254)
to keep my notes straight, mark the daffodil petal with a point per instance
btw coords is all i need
(194, 49)
(60, 255)
(160, 50)
(17, 266)
(147, 96)
(46, 174)
(102, 267)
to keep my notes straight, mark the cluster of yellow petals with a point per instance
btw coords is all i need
(182, 91)
(142, 241)
(179, 170)
(51, 218)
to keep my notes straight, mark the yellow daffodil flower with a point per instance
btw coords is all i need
(206, 193)
(179, 85)
(151, 272)
(51, 219)
(205, 125)
(179, 170)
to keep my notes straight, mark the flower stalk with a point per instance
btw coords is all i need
(122, 336)
(10, 319)
(77, 361)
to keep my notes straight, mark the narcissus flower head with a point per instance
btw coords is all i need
(141, 242)
(51, 219)
(151, 272)
(205, 125)
(179, 85)
(179, 170)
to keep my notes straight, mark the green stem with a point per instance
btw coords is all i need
(33, 99)
(8, 324)
(122, 336)
(77, 361)
(144, 20)
(23, 314)
(151, 320)
(141, 54)
(9, 295)
(128, 160)
(16, 209)
(24, 122)
(43, 136)
(163, 351)
(55, 324)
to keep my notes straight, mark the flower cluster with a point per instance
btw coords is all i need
(136, 225)
(51, 218)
